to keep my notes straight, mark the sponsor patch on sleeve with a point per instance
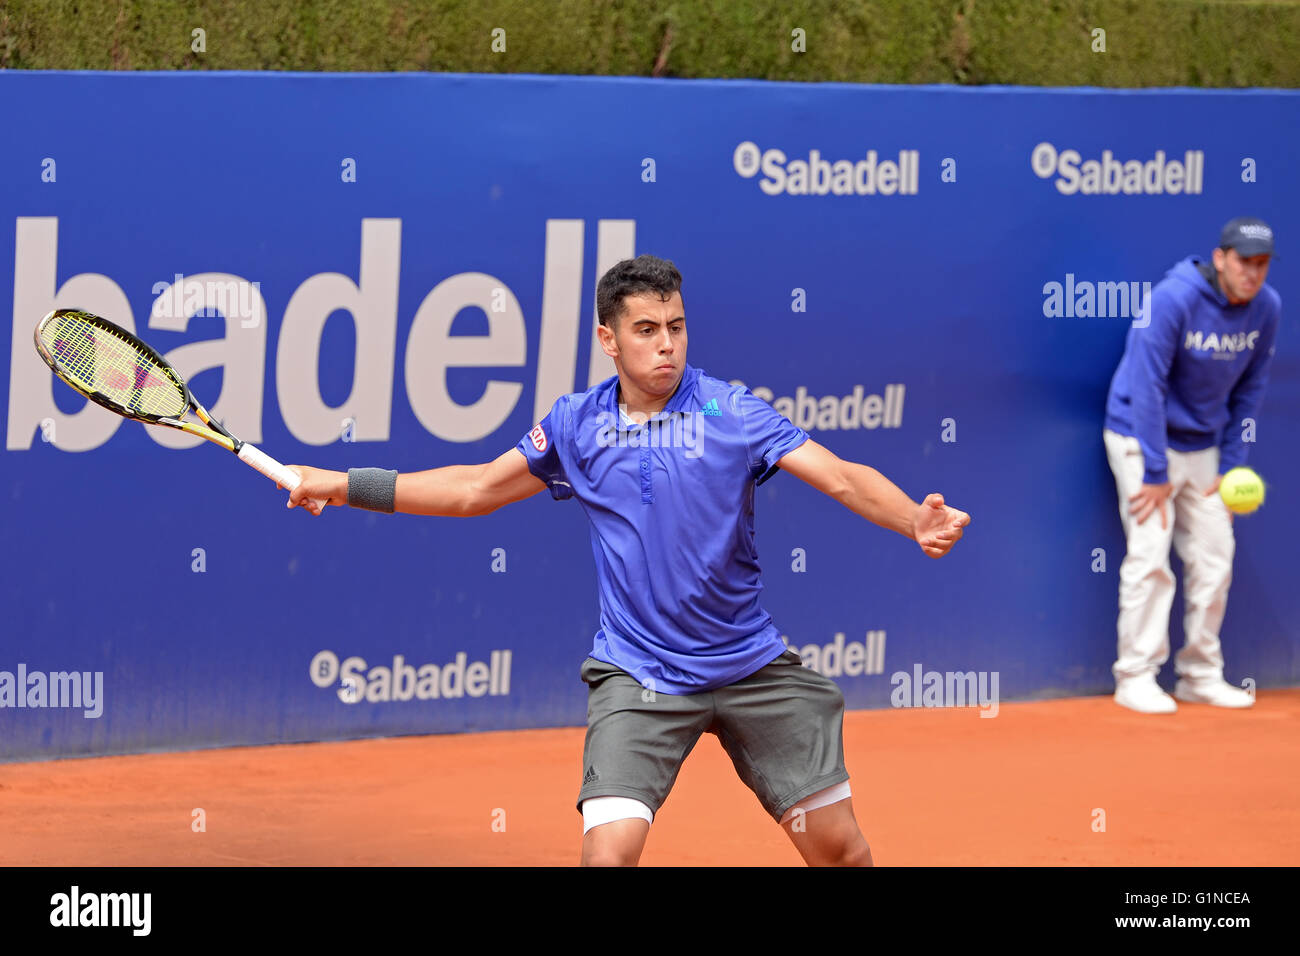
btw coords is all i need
(538, 438)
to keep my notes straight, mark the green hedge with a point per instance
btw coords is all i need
(1047, 42)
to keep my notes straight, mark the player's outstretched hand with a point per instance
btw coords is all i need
(938, 527)
(318, 485)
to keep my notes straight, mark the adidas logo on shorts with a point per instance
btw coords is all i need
(591, 776)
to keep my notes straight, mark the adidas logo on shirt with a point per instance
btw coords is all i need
(591, 776)
(711, 408)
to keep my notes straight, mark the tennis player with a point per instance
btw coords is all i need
(664, 461)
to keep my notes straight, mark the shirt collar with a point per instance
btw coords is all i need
(684, 394)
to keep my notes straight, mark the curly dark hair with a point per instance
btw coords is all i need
(640, 276)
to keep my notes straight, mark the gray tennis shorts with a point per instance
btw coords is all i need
(782, 726)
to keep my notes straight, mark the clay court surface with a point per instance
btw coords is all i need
(1203, 787)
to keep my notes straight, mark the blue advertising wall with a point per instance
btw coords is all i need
(422, 252)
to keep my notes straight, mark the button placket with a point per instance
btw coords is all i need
(647, 492)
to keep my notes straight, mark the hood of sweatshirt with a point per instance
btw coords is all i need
(1192, 271)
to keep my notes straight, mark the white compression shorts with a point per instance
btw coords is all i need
(822, 798)
(600, 810)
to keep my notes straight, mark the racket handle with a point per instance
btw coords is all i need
(251, 455)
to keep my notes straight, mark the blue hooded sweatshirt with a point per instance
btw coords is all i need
(1189, 377)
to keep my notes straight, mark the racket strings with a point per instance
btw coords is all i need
(100, 360)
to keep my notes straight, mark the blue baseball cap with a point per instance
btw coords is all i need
(1249, 236)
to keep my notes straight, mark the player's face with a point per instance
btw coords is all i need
(649, 346)
(1241, 278)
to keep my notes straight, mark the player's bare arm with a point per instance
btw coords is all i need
(460, 491)
(866, 492)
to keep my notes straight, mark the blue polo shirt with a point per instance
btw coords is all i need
(671, 506)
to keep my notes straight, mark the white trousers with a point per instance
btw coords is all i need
(1200, 529)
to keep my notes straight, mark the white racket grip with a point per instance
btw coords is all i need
(251, 455)
(268, 466)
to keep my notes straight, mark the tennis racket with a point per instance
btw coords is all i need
(116, 370)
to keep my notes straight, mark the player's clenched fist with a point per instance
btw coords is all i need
(937, 527)
(318, 486)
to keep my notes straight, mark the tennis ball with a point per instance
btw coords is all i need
(1242, 490)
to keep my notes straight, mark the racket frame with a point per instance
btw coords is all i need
(211, 429)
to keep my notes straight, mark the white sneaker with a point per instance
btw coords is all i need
(1143, 695)
(1218, 693)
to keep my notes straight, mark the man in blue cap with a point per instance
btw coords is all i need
(664, 461)
(1181, 411)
